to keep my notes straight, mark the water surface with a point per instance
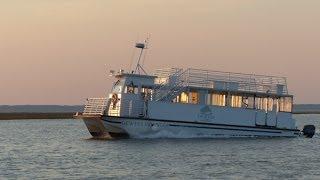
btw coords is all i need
(63, 149)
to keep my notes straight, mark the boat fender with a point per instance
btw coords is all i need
(309, 130)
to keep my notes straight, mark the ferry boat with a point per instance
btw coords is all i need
(191, 103)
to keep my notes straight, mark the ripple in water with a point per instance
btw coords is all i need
(64, 149)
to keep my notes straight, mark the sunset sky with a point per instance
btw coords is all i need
(60, 51)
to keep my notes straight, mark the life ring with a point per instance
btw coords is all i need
(114, 100)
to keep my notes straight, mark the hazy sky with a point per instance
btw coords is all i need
(60, 51)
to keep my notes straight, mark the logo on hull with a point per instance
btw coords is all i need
(206, 113)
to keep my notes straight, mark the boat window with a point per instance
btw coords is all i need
(146, 92)
(236, 101)
(261, 103)
(276, 104)
(285, 104)
(194, 97)
(258, 103)
(218, 99)
(131, 90)
(270, 104)
(117, 87)
(265, 103)
(184, 97)
(248, 102)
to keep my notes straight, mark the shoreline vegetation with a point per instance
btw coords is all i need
(66, 112)
(11, 112)
(21, 116)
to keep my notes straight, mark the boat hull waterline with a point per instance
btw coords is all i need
(115, 127)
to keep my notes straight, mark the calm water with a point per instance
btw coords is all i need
(63, 149)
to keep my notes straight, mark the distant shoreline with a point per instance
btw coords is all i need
(18, 116)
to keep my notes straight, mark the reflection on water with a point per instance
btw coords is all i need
(64, 149)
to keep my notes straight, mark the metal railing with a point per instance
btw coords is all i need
(243, 82)
(180, 80)
(95, 106)
(127, 108)
(166, 72)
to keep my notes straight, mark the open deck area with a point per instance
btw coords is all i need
(219, 80)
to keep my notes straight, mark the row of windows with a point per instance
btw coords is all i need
(283, 104)
(135, 90)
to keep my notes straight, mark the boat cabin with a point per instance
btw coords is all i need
(199, 87)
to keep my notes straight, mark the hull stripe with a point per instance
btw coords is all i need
(251, 130)
(222, 128)
(203, 123)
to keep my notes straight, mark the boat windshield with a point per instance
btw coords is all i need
(118, 86)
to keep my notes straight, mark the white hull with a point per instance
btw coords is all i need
(146, 128)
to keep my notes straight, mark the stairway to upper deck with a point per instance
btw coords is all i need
(172, 86)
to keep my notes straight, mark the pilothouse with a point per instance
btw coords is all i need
(191, 103)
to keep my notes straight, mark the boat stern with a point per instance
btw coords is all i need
(96, 122)
(94, 125)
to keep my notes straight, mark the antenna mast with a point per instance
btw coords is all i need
(139, 69)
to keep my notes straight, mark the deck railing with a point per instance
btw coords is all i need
(95, 106)
(166, 72)
(126, 108)
(240, 81)
(216, 80)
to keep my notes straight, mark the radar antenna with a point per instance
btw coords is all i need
(139, 69)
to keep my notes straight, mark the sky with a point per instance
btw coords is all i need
(61, 51)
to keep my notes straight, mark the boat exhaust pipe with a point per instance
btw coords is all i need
(308, 131)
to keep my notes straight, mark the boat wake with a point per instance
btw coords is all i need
(163, 133)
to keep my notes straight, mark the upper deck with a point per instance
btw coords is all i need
(224, 81)
(194, 86)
